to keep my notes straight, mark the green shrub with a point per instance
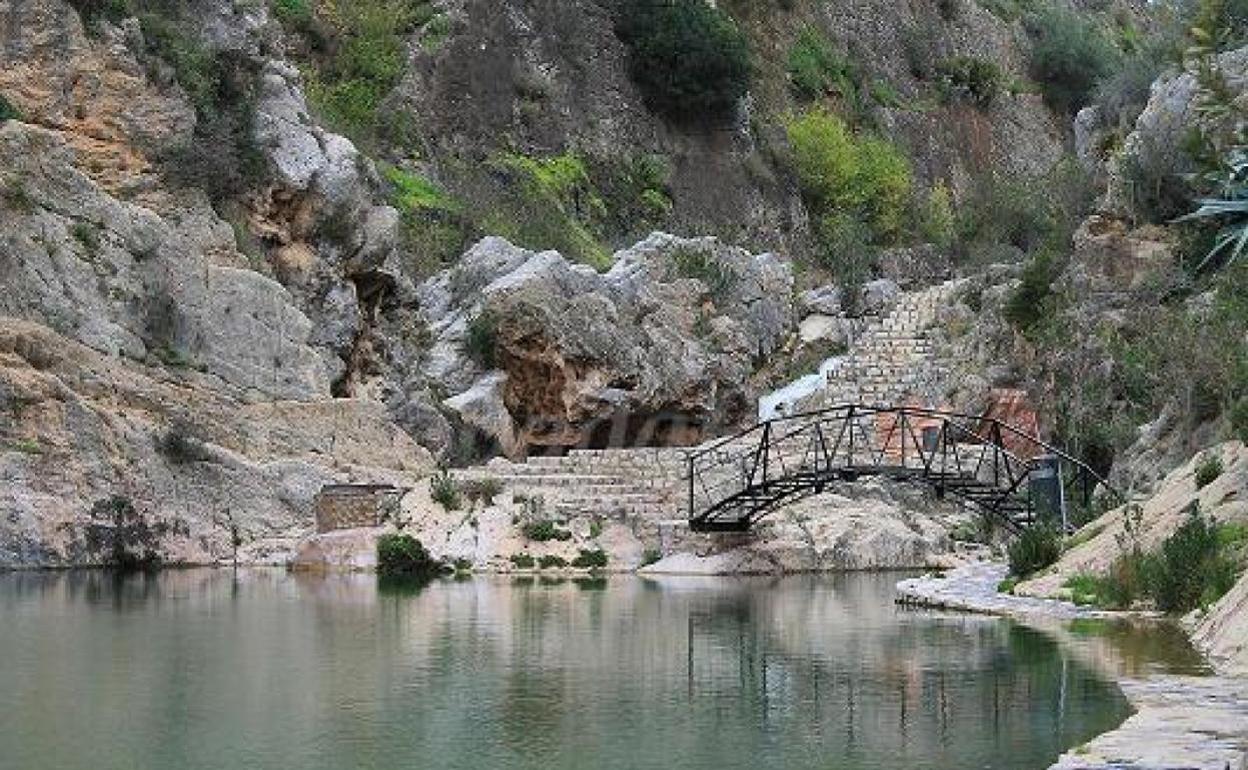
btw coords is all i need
(590, 559)
(650, 556)
(816, 68)
(1069, 57)
(846, 250)
(1193, 571)
(180, 447)
(700, 264)
(1038, 547)
(1208, 470)
(550, 561)
(543, 531)
(404, 555)
(688, 58)
(122, 537)
(16, 196)
(937, 223)
(481, 342)
(522, 561)
(967, 77)
(1030, 304)
(445, 491)
(549, 203)
(840, 171)
(8, 111)
(87, 236)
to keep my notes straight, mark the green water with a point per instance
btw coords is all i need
(208, 669)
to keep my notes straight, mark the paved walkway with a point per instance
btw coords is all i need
(1181, 722)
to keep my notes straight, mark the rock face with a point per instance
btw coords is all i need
(196, 462)
(657, 350)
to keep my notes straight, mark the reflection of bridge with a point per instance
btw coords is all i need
(1011, 476)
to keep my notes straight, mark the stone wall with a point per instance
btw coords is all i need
(349, 506)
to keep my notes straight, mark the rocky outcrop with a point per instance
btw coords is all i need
(191, 462)
(542, 352)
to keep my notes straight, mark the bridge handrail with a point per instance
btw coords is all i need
(851, 409)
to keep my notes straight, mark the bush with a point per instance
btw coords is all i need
(445, 492)
(1030, 304)
(180, 447)
(815, 68)
(481, 490)
(481, 343)
(937, 223)
(1069, 56)
(550, 561)
(521, 561)
(8, 111)
(404, 555)
(591, 559)
(650, 556)
(967, 77)
(861, 175)
(846, 250)
(689, 59)
(700, 264)
(543, 531)
(1208, 470)
(122, 537)
(1038, 547)
(1193, 572)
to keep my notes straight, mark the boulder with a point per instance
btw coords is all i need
(658, 349)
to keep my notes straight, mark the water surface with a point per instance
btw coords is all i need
(260, 669)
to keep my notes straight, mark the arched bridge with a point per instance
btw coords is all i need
(1006, 473)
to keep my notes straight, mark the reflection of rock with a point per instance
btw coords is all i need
(671, 332)
(351, 549)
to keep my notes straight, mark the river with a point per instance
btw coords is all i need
(201, 669)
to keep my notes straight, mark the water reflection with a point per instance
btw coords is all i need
(203, 669)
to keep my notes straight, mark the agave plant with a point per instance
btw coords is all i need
(1231, 208)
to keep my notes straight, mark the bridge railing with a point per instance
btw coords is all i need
(982, 460)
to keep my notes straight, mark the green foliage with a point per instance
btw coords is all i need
(180, 447)
(1038, 547)
(1229, 210)
(971, 78)
(551, 204)
(404, 555)
(701, 264)
(1194, 567)
(445, 491)
(16, 196)
(296, 13)
(481, 342)
(543, 531)
(650, 556)
(1208, 470)
(937, 223)
(1007, 586)
(689, 59)
(550, 561)
(1069, 56)
(1031, 304)
(816, 68)
(369, 56)
(411, 192)
(856, 174)
(87, 236)
(8, 111)
(845, 248)
(522, 561)
(590, 559)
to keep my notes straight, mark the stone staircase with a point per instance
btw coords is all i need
(629, 485)
(892, 360)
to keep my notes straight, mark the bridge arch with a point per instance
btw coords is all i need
(1007, 473)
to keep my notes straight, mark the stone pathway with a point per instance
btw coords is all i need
(1181, 723)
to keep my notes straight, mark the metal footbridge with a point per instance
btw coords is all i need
(1008, 474)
